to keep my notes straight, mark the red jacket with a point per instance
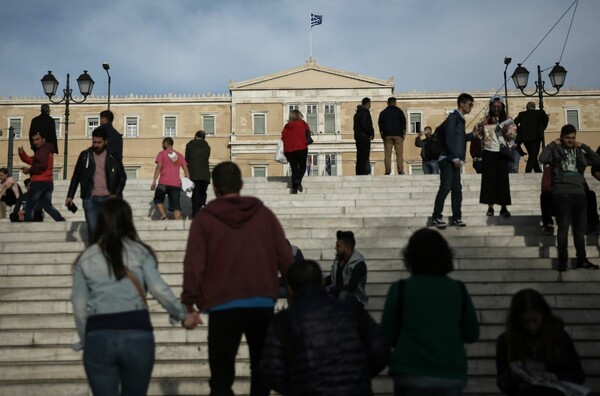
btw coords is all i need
(235, 249)
(42, 163)
(294, 136)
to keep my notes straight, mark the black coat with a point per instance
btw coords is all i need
(531, 125)
(392, 122)
(44, 124)
(323, 346)
(363, 123)
(84, 175)
(115, 141)
(197, 153)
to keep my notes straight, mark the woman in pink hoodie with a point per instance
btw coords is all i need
(295, 147)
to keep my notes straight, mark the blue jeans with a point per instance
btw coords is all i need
(113, 357)
(91, 208)
(449, 181)
(431, 167)
(40, 196)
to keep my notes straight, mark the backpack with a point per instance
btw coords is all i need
(436, 142)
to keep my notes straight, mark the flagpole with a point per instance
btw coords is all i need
(310, 35)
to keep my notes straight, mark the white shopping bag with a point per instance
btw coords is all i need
(279, 155)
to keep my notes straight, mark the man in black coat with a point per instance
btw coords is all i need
(44, 124)
(392, 127)
(197, 153)
(363, 134)
(115, 139)
(531, 125)
(321, 345)
(101, 177)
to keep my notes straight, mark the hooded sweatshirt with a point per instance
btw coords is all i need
(236, 247)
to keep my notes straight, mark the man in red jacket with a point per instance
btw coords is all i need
(42, 179)
(236, 248)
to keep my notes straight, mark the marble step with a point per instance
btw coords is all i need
(34, 337)
(173, 264)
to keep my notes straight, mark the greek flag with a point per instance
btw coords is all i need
(315, 20)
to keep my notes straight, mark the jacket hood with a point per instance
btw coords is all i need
(234, 211)
(291, 124)
(198, 142)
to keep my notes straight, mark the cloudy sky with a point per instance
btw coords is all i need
(197, 46)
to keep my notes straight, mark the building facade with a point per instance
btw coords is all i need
(246, 125)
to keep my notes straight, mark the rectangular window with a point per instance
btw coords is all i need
(131, 172)
(293, 106)
(259, 171)
(311, 117)
(17, 124)
(259, 123)
(57, 173)
(170, 126)
(415, 122)
(329, 126)
(131, 127)
(312, 165)
(572, 116)
(91, 124)
(57, 124)
(416, 169)
(330, 165)
(208, 124)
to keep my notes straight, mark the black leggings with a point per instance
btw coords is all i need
(297, 161)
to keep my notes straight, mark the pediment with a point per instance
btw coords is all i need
(311, 76)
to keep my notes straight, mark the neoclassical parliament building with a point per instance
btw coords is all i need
(245, 125)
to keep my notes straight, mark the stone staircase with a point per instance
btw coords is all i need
(495, 257)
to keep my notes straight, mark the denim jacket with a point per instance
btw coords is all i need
(96, 291)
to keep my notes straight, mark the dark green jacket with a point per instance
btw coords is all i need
(197, 153)
(437, 319)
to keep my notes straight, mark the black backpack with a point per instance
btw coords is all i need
(435, 144)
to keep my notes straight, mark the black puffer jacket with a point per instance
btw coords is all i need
(323, 346)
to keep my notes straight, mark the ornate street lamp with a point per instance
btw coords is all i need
(50, 85)
(557, 76)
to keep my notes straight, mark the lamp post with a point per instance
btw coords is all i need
(507, 60)
(106, 66)
(557, 78)
(50, 85)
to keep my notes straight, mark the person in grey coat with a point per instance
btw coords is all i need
(197, 154)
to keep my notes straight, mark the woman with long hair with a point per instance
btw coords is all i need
(295, 147)
(535, 339)
(496, 129)
(110, 281)
(427, 319)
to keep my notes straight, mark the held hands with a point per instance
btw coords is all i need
(192, 320)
